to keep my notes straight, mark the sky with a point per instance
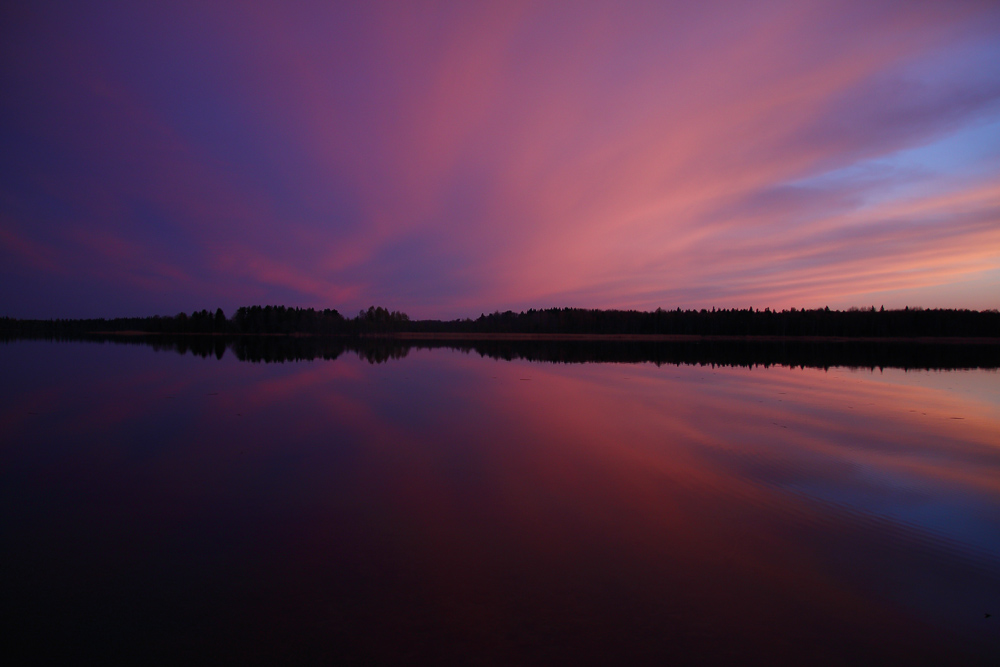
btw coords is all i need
(453, 158)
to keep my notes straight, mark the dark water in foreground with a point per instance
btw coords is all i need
(451, 508)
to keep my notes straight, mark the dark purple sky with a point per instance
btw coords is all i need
(452, 158)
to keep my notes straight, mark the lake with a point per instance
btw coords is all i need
(398, 504)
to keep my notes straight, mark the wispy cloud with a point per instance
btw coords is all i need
(456, 158)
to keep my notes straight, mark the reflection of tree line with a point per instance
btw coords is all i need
(279, 349)
(817, 354)
(740, 352)
(851, 323)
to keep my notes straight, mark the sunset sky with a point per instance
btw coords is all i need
(453, 158)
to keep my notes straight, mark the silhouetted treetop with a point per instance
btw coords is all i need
(734, 322)
(376, 320)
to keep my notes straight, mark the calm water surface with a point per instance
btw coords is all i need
(458, 509)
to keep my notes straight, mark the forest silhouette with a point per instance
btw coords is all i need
(852, 323)
(746, 352)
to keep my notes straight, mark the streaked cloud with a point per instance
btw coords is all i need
(452, 158)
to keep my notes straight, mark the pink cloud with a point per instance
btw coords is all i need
(461, 158)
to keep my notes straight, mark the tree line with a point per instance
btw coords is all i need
(852, 323)
(246, 320)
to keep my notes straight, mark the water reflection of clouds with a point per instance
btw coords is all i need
(516, 502)
(886, 448)
(845, 445)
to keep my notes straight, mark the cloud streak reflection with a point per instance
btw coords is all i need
(446, 505)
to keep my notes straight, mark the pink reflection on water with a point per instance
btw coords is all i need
(447, 505)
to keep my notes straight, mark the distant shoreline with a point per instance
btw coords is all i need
(557, 337)
(554, 324)
(685, 338)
